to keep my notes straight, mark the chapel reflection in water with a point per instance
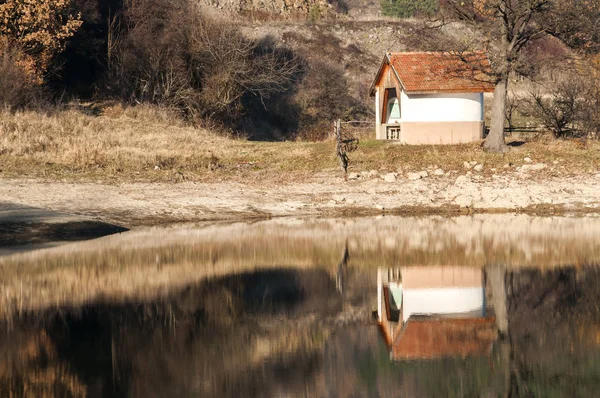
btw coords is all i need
(435, 312)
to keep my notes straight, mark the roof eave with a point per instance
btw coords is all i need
(469, 91)
(386, 60)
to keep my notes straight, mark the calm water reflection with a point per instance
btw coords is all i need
(484, 306)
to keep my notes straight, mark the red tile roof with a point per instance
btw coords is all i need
(438, 338)
(442, 72)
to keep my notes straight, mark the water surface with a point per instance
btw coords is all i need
(476, 306)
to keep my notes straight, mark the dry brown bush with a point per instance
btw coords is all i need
(323, 97)
(17, 88)
(168, 53)
(569, 107)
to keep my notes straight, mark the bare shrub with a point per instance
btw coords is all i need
(512, 107)
(168, 53)
(589, 115)
(558, 110)
(17, 88)
(323, 97)
(570, 107)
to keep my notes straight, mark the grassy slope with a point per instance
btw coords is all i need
(146, 144)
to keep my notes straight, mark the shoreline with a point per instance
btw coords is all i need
(141, 204)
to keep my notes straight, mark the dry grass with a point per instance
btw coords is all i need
(149, 144)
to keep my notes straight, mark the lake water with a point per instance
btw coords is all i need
(494, 305)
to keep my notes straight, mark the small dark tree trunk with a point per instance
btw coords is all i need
(495, 140)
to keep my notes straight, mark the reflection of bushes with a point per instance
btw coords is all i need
(31, 368)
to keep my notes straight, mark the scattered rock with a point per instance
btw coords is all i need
(338, 198)
(527, 160)
(379, 207)
(468, 173)
(373, 173)
(478, 168)
(472, 163)
(350, 201)
(353, 176)
(390, 177)
(439, 172)
(423, 174)
(555, 162)
(414, 176)
(156, 168)
(526, 168)
(506, 166)
(467, 165)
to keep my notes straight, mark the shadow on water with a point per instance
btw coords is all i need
(18, 234)
(24, 228)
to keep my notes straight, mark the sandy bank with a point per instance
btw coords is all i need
(131, 204)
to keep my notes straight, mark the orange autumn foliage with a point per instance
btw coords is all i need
(40, 28)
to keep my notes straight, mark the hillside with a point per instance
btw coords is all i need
(297, 9)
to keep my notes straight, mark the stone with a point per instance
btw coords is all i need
(350, 201)
(353, 176)
(526, 168)
(373, 173)
(555, 162)
(472, 163)
(390, 177)
(538, 166)
(461, 180)
(379, 207)
(478, 168)
(467, 165)
(423, 174)
(439, 172)
(527, 160)
(414, 176)
(338, 198)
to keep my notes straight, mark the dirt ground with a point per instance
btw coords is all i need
(131, 204)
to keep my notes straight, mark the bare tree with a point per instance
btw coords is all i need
(507, 26)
